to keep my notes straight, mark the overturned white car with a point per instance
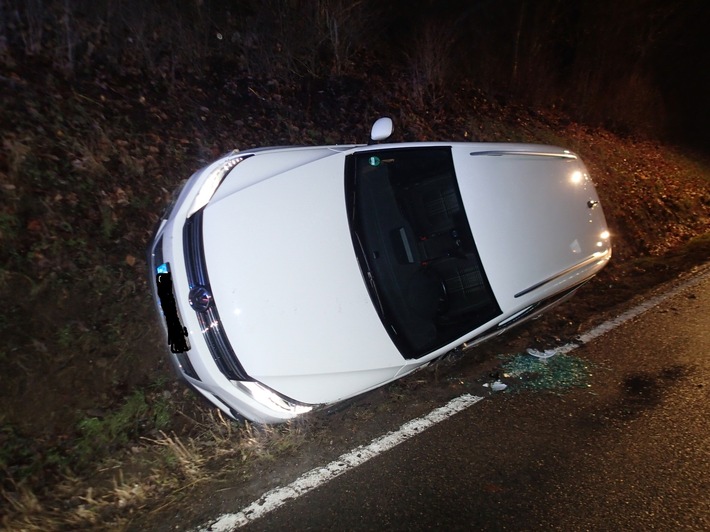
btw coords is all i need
(295, 277)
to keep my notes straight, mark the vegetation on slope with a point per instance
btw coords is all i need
(96, 136)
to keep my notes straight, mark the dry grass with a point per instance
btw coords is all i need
(185, 456)
(120, 486)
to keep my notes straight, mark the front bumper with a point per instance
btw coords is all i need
(199, 348)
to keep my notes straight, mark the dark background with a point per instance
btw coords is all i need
(637, 66)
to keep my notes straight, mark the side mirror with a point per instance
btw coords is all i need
(381, 129)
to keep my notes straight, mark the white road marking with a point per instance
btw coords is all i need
(310, 480)
(632, 313)
(320, 475)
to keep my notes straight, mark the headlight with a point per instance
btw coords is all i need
(211, 184)
(271, 399)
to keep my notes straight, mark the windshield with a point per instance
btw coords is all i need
(415, 247)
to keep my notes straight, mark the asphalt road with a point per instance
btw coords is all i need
(630, 452)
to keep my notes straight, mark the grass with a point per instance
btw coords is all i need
(100, 436)
(127, 468)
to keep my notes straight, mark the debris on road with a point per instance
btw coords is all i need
(558, 372)
(498, 386)
(542, 355)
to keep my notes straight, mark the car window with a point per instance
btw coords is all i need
(415, 247)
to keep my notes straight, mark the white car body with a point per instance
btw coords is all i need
(285, 280)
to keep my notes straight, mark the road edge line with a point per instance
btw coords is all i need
(318, 476)
(634, 312)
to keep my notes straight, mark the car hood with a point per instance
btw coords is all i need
(286, 280)
(505, 189)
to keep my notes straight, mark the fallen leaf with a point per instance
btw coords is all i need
(34, 225)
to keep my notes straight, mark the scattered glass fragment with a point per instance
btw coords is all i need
(560, 372)
(498, 386)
